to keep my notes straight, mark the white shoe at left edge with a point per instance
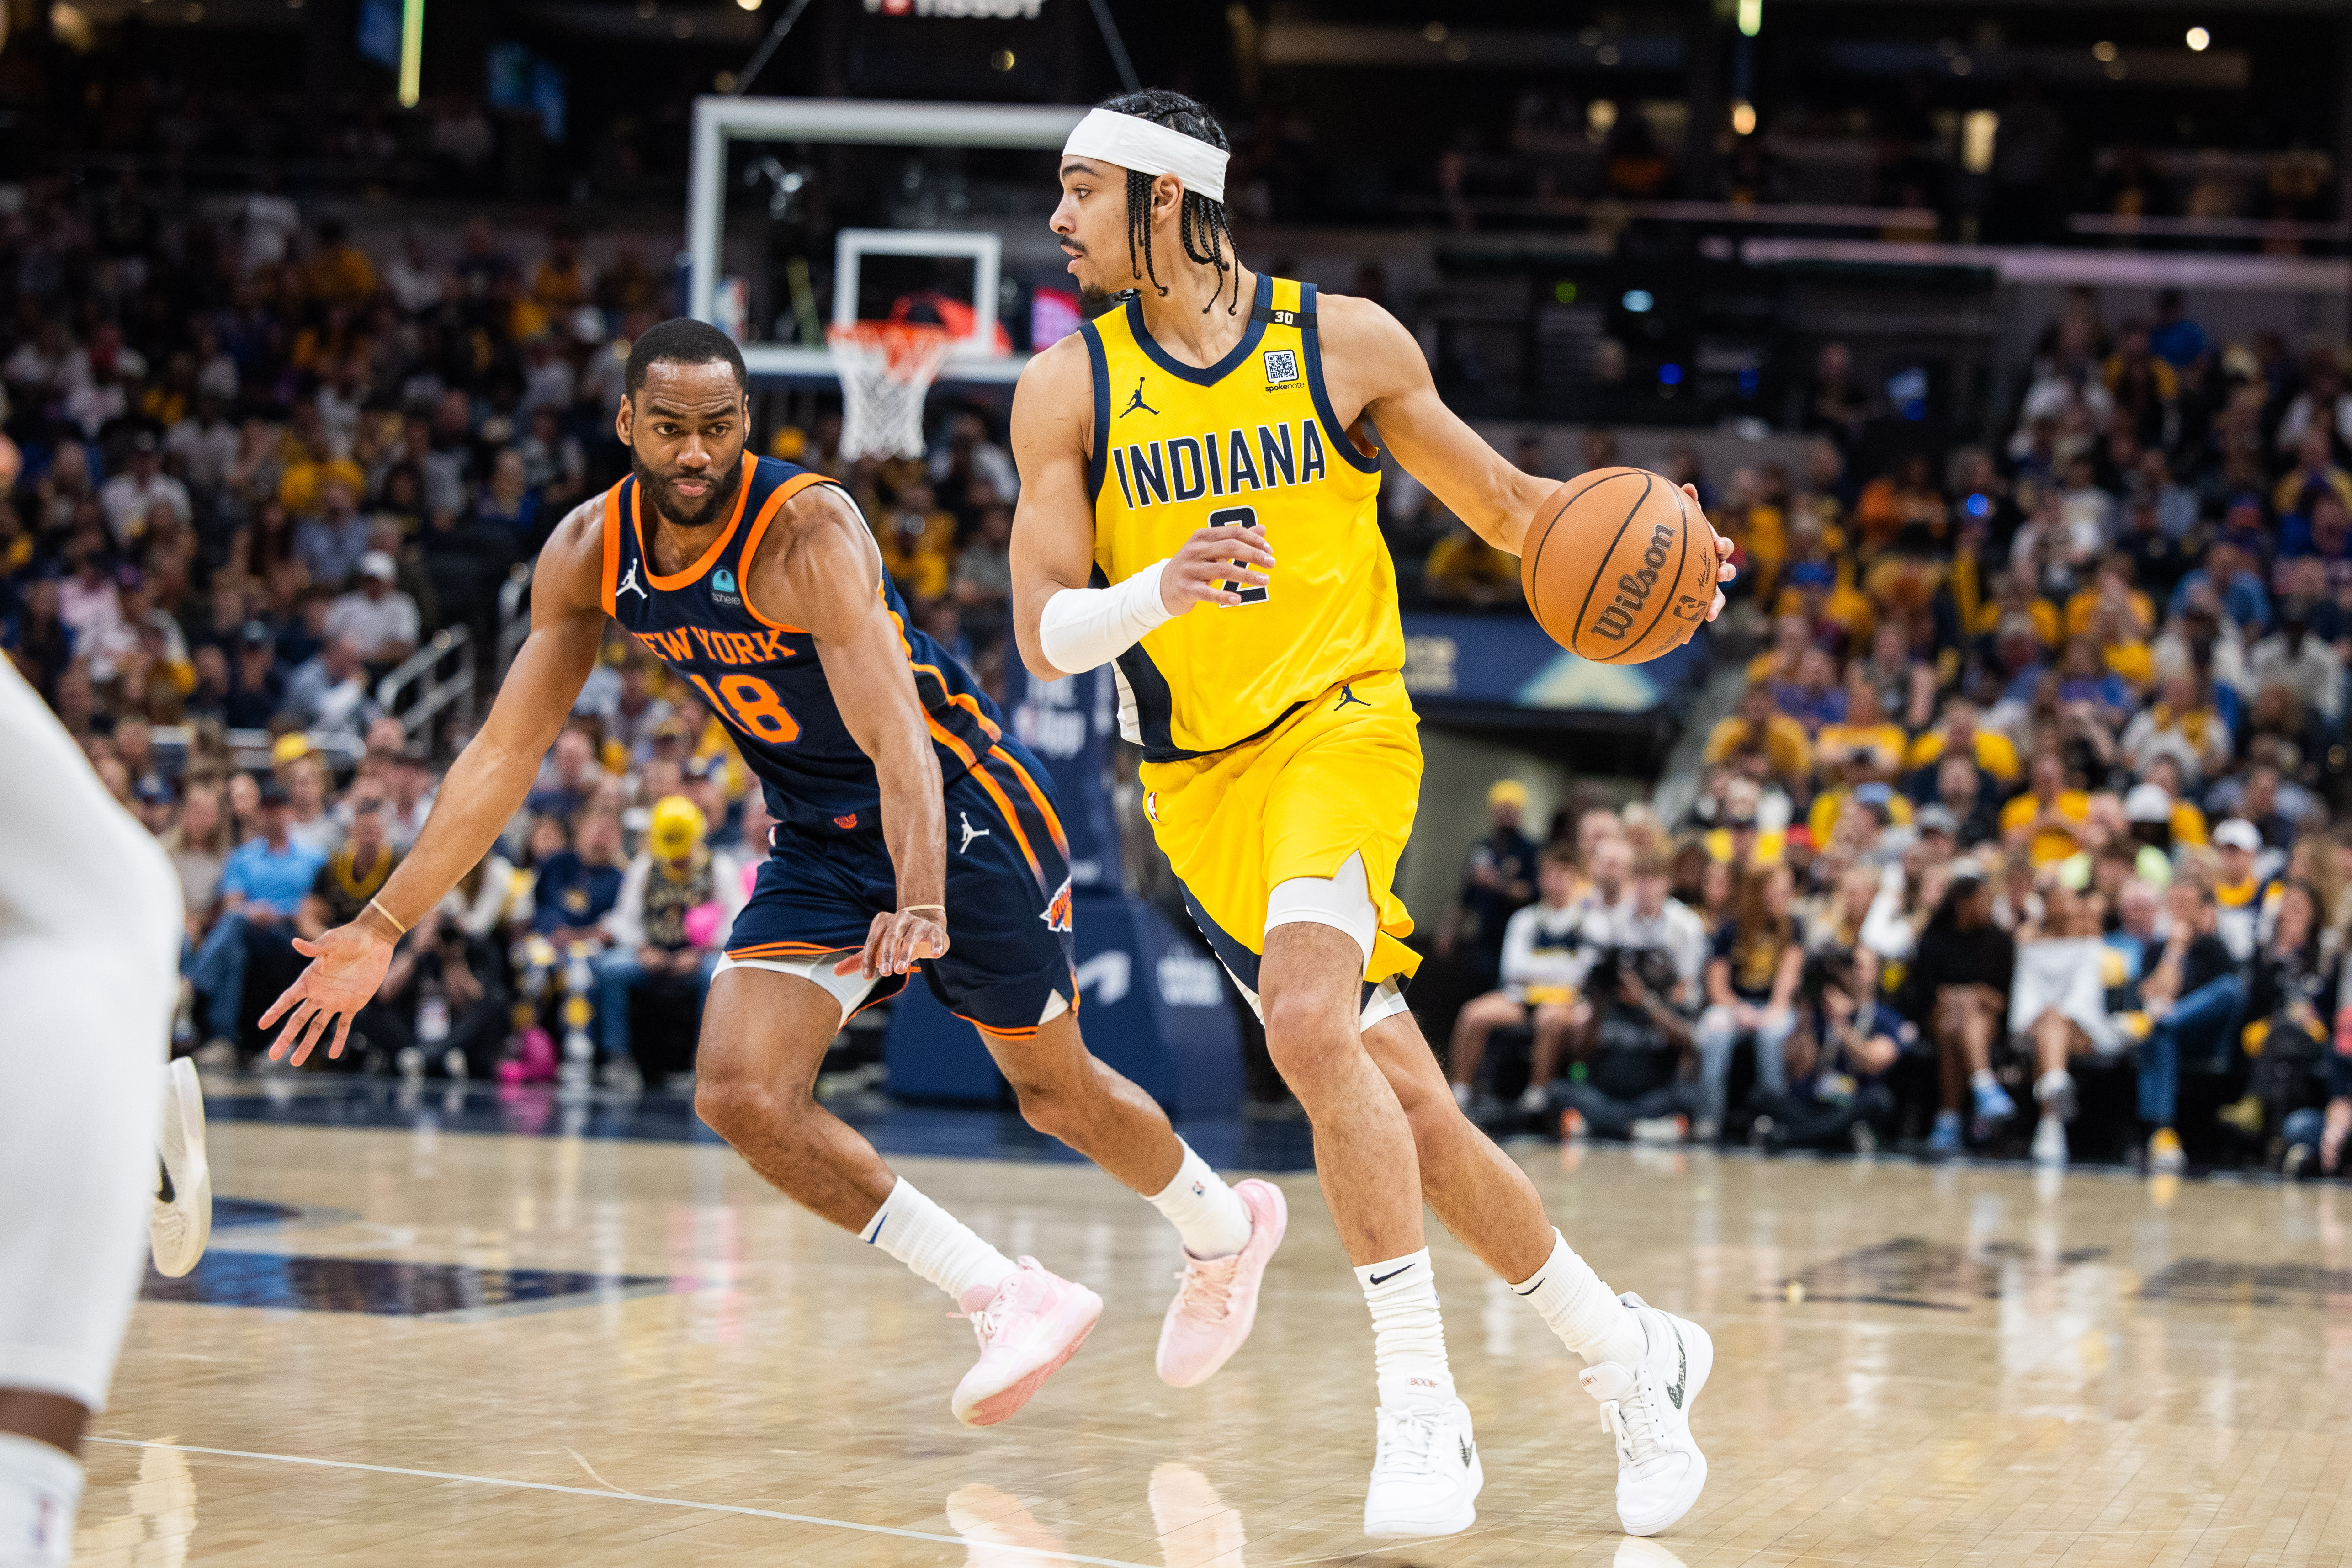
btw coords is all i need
(1646, 1409)
(180, 1222)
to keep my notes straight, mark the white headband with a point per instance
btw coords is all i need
(1134, 143)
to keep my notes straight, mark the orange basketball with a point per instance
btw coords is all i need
(1619, 565)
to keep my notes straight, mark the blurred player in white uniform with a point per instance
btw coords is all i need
(89, 942)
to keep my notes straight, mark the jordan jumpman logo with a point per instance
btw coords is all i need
(1135, 401)
(1348, 695)
(629, 583)
(970, 832)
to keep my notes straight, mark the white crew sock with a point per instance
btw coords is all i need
(1582, 1309)
(935, 1243)
(1205, 1211)
(40, 1489)
(1408, 1335)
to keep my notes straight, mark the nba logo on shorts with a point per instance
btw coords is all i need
(1281, 365)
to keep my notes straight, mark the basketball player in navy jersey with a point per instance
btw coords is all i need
(759, 584)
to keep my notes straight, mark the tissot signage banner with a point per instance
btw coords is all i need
(978, 10)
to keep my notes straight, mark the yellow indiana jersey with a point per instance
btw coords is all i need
(1250, 442)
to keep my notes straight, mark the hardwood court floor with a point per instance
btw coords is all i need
(538, 1350)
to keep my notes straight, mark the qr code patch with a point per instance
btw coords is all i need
(1281, 364)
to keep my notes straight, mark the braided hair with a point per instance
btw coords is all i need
(1202, 224)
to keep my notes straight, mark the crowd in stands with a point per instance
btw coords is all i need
(2025, 830)
(248, 468)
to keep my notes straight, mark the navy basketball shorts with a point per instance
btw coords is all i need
(1008, 965)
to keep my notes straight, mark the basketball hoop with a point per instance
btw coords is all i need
(885, 368)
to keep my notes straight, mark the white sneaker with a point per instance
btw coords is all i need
(2050, 1142)
(180, 1222)
(1425, 1472)
(1660, 1471)
(2055, 1091)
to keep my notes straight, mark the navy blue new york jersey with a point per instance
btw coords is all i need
(763, 677)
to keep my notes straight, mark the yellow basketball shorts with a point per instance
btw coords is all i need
(1339, 777)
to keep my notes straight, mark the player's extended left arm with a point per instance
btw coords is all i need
(828, 576)
(1377, 357)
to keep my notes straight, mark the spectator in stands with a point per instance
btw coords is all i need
(375, 617)
(1463, 569)
(1959, 986)
(1760, 729)
(917, 541)
(1634, 1040)
(262, 886)
(2195, 997)
(2058, 1003)
(2305, 665)
(983, 574)
(2046, 819)
(1751, 986)
(1840, 1058)
(577, 888)
(1543, 960)
(568, 778)
(331, 542)
(351, 875)
(442, 1002)
(1602, 903)
(199, 842)
(2182, 727)
(673, 912)
(131, 497)
(2240, 895)
(330, 691)
(1960, 735)
(308, 823)
(1498, 876)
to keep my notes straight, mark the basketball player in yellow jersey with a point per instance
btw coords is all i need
(1199, 506)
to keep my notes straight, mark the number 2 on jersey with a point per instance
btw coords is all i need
(1240, 517)
(754, 705)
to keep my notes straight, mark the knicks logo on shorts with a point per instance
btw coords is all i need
(1056, 915)
(846, 823)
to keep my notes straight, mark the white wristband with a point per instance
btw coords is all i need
(1083, 627)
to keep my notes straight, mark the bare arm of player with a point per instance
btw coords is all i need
(1054, 529)
(822, 561)
(484, 788)
(1373, 368)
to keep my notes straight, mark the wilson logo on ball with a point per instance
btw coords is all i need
(1634, 589)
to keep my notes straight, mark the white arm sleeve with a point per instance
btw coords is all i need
(1083, 627)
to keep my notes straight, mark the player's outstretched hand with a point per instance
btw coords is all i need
(896, 942)
(347, 965)
(1214, 567)
(1724, 571)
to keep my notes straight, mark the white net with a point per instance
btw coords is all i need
(885, 368)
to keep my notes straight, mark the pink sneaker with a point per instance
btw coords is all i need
(1032, 1324)
(1217, 1303)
